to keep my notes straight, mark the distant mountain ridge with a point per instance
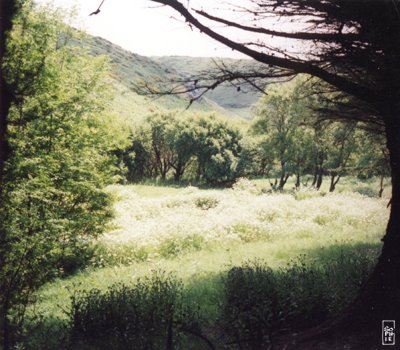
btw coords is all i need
(226, 95)
(130, 69)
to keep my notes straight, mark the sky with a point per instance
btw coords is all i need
(143, 27)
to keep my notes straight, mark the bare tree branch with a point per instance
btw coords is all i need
(347, 85)
(330, 37)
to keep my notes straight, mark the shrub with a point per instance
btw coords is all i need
(366, 191)
(246, 185)
(251, 233)
(175, 246)
(206, 203)
(118, 254)
(259, 300)
(153, 314)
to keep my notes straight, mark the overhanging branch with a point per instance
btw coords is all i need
(330, 37)
(339, 81)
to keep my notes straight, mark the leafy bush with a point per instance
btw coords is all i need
(153, 314)
(206, 203)
(52, 194)
(118, 254)
(246, 185)
(366, 191)
(175, 246)
(306, 194)
(250, 232)
(259, 300)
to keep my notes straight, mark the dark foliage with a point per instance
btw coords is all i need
(261, 302)
(150, 315)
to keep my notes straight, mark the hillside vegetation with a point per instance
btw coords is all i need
(226, 95)
(131, 70)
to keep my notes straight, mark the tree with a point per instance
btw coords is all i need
(355, 47)
(281, 117)
(217, 149)
(8, 9)
(58, 163)
(159, 125)
(372, 157)
(166, 143)
(256, 157)
(138, 157)
(342, 144)
(182, 140)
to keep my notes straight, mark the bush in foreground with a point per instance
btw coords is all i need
(260, 301)
(243, 308)
(150, 315)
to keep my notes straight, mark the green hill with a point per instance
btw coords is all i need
(129, 70)
(226, 95)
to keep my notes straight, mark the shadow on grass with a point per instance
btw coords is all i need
(201, 184)
(245, 307)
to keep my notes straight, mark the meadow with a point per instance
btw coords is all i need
(202, 237)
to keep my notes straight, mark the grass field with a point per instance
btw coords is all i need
(200, 234)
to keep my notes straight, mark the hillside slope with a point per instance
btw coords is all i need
(130, 70)
(226, 95)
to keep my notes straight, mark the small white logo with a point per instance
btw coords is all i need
(388, 334)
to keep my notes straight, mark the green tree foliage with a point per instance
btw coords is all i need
(299, 141)
(182, 141)
(342, 146)
(255, 156)
(281, 116)
(53, 199)
(290, 136)
(372, 157)
(170, 144)
(218, 149)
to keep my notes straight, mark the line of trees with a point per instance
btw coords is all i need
(287, 138)
(298, 141)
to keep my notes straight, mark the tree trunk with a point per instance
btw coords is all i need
(334, 181)
(319, 178)
(178, 173)
(314, 182)
(381, 186)
(380, 298)
(297, 184)
(283, 180)
(383, 288)
(284, 176)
